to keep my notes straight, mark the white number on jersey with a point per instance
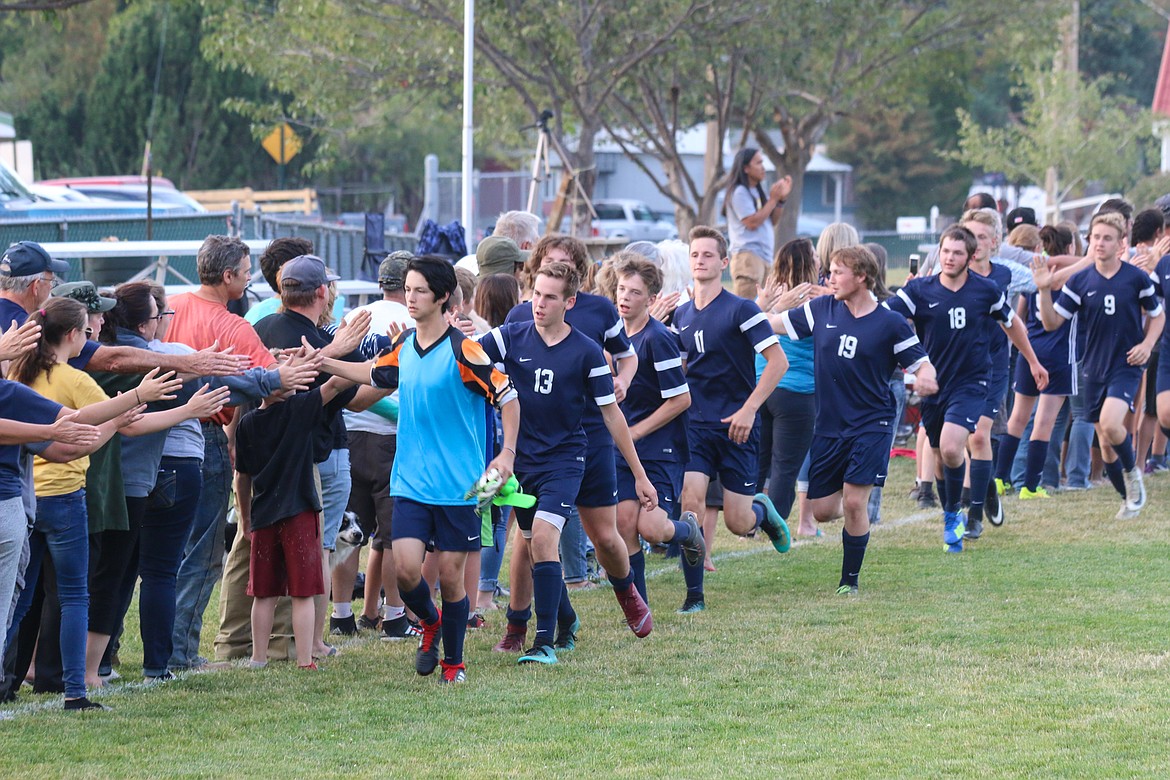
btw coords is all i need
(847, 347)
(1110, 304)
(544, 380)
(958, 318)
(699, 341)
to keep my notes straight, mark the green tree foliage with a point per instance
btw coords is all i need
(81, 87)
(1122, 39)
(1067, 124)
(815, 63)
(898, 171)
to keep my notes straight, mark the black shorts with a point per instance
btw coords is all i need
(371, 456)
(450, 528)
(667, 479)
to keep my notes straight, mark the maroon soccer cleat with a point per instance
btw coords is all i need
(638, 616)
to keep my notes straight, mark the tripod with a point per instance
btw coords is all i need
(540, 162)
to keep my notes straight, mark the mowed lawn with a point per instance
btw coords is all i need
(1039, 652)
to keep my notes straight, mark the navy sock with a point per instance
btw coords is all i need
(852, 554)
(419, 601)
(565, 612)
(547, 586)
(1034, 466)
(638, 569)
(1165, 432)
(454, 629)
(620, 584)
(980, 479)
(1113, 471)
(965, 497)
(954, 484)
(1125, 454)
(681, 531)
(941, 484)
(1008, 447)
(760, 513)
(518, 618)
(693, 577)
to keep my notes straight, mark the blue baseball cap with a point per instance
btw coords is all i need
(26, 258)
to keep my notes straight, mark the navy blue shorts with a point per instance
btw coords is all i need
(1062, 380)
(1123, 383)
(599, 483)
(863, 459)
(962, 405)
(555, 493)
(714, 454)
(997, 387)
(667, 479)
(450, 528)
(1163, 380)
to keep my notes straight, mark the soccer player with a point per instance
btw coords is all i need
(558, 371)
(655, 409)
(1057, 351)
(949, 310)
(442, 379)
(1111, 295)
(984, 224)
(720, 334)
(857, 344)
(593, 316)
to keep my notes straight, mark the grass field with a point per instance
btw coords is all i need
(1039, 652)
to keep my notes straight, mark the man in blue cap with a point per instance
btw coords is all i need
(27, 276)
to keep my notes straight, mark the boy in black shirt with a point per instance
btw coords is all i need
(278, 503)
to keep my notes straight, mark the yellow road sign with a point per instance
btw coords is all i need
(282, 153)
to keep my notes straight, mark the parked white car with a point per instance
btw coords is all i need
(630, 219)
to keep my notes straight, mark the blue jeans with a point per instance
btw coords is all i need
(573, 540)
(492, 557)
(335, 484)
(62, 528)
(1051, 473)
(1080, 438)
(13, 541)
(165, 529)
(202, 562)
(898, 388)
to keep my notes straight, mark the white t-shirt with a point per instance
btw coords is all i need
(383, 314)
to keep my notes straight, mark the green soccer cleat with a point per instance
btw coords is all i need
(1031, 495)
(566, 638)
(543, 654)
(773, 524)
(847, 590)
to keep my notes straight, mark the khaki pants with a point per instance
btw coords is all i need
(747, 273)
(234, 639)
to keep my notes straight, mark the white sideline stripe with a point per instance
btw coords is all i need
(899, 522)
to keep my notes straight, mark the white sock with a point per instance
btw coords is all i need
(392, 613)
(343, 609)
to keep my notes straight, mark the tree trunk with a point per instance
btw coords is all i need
(584, 162)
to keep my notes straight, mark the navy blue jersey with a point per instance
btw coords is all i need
(659, 377)
(556, 385)
(719, 344)
(1053, 348)
(1161, 278)
(1001, 277)
(854, 358)
(950, 324)
(596, 317)
(1111, 311)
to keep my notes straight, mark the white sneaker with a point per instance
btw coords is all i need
(1135, 489)
(1125, 513)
